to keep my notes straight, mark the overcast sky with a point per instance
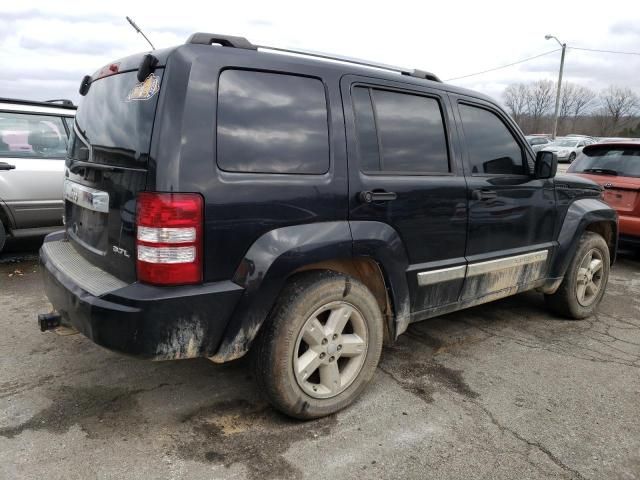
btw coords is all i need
(46, 47)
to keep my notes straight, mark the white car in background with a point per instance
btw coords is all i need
(568, 148)
(537, 142)
(33, 147)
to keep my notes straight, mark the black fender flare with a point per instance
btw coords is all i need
(268, 263)
(580, 215)
(382, 243)
(263, 272)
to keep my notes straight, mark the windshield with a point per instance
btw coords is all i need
(565, 142)
(115, 125)
(625, 161)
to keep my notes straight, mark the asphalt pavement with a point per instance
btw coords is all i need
(501, 391)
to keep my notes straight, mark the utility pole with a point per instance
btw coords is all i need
(555, 115)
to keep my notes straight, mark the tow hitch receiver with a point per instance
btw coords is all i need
(48, 321)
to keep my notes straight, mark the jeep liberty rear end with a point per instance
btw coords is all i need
(112, 244)
(222, 200)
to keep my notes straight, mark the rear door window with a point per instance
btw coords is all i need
(400, 132)
(32, 136)
(272, 123)
(493, 150)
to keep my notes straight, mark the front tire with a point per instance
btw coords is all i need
(586, 279)
(321, 345)
(572, 157)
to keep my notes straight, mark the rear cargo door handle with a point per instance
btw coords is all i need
(6, 166)
(484, 194)
(376, 196)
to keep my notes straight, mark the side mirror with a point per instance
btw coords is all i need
(546, 165)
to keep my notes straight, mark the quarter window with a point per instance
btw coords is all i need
(399, 132)
(492, 148)
(272, 123)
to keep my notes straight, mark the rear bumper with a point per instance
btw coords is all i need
(159, 323)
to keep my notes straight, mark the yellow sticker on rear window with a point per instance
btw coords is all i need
(145, 90)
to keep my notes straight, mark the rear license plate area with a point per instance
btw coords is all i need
(87, 227)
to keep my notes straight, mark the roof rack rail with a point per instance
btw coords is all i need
(224, 40)
(241, 42)
(62, 101)
(40, 103)
(356, 61)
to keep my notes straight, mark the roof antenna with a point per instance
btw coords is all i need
(133, 24)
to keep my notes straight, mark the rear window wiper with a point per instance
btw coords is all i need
(604, 171)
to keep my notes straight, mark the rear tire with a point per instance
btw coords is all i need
(585, 281)
(320, 346)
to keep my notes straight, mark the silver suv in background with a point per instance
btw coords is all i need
(33, 145)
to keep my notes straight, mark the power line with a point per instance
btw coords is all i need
(603, 51)
(504, 66)
(541, 55)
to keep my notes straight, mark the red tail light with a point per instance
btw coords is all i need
(169, 238)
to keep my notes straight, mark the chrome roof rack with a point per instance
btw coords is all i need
(241, 42)
(356, 61)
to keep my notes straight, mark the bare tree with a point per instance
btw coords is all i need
(539, 101)
(516, 100)
(575, 100)
(617, 106)
(584, 100)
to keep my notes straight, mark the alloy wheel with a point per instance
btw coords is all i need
(330, 350)
(589, 278)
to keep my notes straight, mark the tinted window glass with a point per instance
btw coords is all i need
(272, 123)
(117, 128)
(32, 136)
(411, 133)
(492, 148)
(366, 127)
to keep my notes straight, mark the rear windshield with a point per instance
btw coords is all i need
(116, 119)
(623, 161)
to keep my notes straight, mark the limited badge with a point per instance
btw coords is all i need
(145, 90)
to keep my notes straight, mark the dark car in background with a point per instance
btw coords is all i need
(616, 167)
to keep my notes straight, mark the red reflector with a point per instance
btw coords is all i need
(169, 238)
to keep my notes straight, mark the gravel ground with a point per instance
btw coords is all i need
(503, 390)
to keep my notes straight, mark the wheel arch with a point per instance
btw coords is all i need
(5, 217)
(589, 214)
(372, 253)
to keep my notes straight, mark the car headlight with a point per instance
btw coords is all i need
(562, 153)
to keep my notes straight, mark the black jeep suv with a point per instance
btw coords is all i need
(234, 198)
